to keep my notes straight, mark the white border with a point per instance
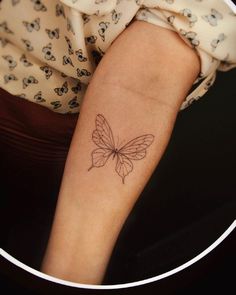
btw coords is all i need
(120, 286)
(231, 5)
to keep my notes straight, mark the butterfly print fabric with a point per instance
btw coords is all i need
(49, 54)
(135, 149)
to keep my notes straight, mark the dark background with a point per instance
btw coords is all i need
(188, 203)
(191, 197)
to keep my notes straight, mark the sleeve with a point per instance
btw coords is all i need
(207, 26)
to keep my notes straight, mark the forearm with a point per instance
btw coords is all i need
(137, 95)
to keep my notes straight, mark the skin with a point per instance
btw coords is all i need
(138, 86)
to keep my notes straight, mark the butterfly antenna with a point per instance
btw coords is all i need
(119, 145)
(122, 142)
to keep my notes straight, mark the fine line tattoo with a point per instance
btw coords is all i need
(135, 149)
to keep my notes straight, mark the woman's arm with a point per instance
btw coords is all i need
(138, 88)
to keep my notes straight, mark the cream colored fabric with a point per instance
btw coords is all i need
(49, 49)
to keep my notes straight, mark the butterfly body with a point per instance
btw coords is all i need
(133, 150)
(115, 152)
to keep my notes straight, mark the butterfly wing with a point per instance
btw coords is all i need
(136, 148)
(216, 14)
(133, 150)
(100, 157)
(123, 166)
(102, 136)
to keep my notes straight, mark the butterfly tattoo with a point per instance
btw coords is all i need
(135, 149)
